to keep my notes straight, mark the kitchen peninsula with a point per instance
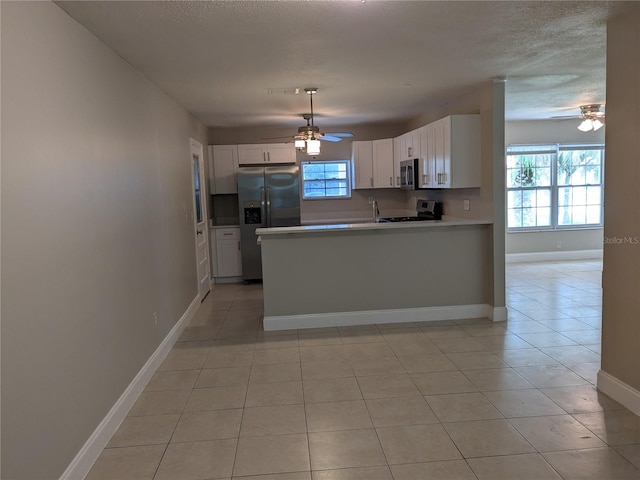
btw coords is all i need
(369, 273)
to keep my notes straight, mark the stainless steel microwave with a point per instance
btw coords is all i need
(409, 179)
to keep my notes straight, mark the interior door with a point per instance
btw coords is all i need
(200, 219)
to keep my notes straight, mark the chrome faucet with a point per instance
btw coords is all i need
(376, 211)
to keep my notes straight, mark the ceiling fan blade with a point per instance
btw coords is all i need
(330, 138)
(340, 134)
(276, 138)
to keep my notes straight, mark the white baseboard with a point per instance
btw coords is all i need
(371, 317)
(554, 256)
(497, 314)
(91, 450)
(619, 391)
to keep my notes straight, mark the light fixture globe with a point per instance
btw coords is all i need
(313, 146)
(586, 125)
(592, 118)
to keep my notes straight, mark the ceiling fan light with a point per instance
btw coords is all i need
(299, 144)
(586, 125)
(313, 147)
(597, 124)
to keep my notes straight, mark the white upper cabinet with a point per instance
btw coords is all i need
(372, 164)
(426, 164)
(223, 168)
(450, 149)
(457, 156)
(396, 161)
(383, 169)
(260, 154)
(362, 164)
(409, 145)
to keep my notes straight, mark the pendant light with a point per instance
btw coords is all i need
(313, 144)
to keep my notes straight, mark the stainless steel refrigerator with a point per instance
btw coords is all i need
(267, 197)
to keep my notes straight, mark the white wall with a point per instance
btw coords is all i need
(95, 183)
(550, 132)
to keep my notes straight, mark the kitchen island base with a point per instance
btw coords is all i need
(340, 275)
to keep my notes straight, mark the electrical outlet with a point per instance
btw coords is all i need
(370, 200)
(558, 244)
(467, 205)
(155, 318)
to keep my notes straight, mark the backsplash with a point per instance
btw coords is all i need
(224, 210)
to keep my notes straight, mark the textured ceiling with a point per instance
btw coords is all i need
(237, 63)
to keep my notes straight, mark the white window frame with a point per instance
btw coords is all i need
(347, 181)
(555, 187)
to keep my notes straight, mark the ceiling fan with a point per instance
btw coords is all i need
(309, 136)
(592, 117)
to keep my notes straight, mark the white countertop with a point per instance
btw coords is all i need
(445, 222)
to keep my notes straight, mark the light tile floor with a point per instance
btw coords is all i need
(466, 399)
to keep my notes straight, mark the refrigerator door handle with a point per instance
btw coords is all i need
(268, 207)
(263, 207)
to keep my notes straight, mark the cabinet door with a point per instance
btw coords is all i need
(251, 154)
(212, 178)
(362, 163)
(412, 144)
(442, 153)
(214, 253)
(397, 154)
(425, 166)
(280, 153)
(228, 256)
(225, 168)
(383, 173)
(229, 260)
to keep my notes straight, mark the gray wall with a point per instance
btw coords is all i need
(478, 101)
(368, 275)
(621, 269)
(552, 131)
(95, 178)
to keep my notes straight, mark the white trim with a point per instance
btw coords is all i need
(497, 314)
(91, 450)
(370, 317)
(619, 391)
(554, 256)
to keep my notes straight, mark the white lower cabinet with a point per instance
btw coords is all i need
(226, 256)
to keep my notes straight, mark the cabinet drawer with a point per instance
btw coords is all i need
(227, 233)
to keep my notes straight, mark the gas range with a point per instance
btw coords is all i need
(403, 219)
(426, 210)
